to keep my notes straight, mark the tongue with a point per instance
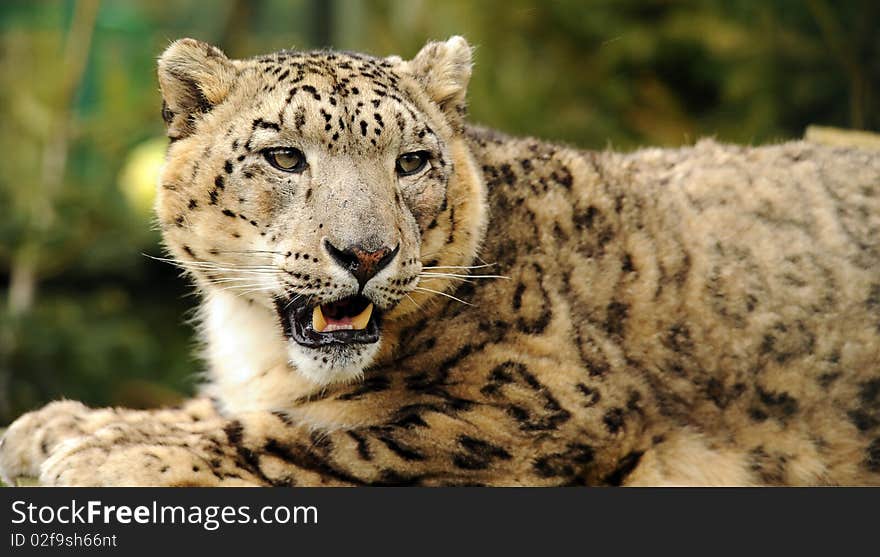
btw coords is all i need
(322, 323)
(337, 324)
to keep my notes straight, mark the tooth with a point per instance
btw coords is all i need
(360, 321)
(318, 321)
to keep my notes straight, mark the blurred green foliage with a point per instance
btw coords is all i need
(84, 314)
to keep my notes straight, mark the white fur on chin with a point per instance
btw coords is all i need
(253, 367)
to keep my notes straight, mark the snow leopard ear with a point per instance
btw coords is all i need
(444, 69)
(194, 77)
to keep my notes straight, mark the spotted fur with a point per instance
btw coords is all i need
(708, 315)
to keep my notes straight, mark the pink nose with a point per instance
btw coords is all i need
(363, 264)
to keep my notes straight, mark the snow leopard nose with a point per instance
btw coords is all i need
(363, 264)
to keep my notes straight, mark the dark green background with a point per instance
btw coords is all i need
(105, 324)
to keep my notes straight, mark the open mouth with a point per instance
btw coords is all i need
(351, 320)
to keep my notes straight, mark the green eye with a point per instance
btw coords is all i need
(410, 163)
(287, 159)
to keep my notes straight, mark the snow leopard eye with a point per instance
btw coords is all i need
(410, 163)
(287, 159)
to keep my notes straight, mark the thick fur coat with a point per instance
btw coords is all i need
(708, 315)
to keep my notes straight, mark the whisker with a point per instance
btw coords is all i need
(463, 276)
(425, 279)
(231, 269)
(254, 290)
(292, 300)
(200, 265)
(262, 251)
(237, 290)
(444, 251)
(255, 275)
(215, 266)
(237, 283)
(459, 266)
(413, 301)
(245, 280)
(444, 294)
(229, 279)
